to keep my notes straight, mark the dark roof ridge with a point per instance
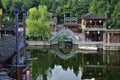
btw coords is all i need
(94, 16)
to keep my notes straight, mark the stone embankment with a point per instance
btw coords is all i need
(38, 43)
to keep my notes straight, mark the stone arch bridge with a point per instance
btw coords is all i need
(67, 32)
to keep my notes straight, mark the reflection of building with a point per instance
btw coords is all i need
(113, 59)
(94, 27)
(98, 73)
(94, 66)
(97, 65)
(71, 22)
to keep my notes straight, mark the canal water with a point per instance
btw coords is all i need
(52, 63)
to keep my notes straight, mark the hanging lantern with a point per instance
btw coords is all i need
(83, 21)
(98, 32)
(87, 32)
(90, 21)
(0, 11)
(100, 21)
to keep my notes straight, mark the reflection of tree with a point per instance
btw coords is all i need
(113, 74)
(42, 64)
(48, 61)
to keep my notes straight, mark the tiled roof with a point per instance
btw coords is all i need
(8, 48)
(94, 16)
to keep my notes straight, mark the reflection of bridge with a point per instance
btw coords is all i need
(73, 51)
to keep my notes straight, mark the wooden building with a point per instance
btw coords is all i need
(113, 40)
(7, 30)
(113, 36)
(94, 27)
(71, 22)
(53, 23)
(8, 49)
(8, 54)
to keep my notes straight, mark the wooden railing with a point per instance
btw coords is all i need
(94, 26)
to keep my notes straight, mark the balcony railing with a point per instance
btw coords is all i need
(94, 26)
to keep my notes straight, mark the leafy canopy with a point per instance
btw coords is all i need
(36, 22)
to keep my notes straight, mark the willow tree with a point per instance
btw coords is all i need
(37, 22)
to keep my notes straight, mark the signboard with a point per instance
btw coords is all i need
(0, 11)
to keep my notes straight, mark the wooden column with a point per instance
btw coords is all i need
(0, 27)
(0, 18)
(0, 21)
(108, 38)
(104, 37)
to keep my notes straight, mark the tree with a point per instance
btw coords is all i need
(109, 7)
(36, 22)
(9, 7)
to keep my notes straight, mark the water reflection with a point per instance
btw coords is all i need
(104, 65)
(66, 53)
(58, 73)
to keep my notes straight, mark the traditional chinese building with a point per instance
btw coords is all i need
(113, 39)
(94, 27)
(71, 22)
(113, 36)
(7, 30)
(53, 23)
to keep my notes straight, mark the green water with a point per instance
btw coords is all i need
(75, 65)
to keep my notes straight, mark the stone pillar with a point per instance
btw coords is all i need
(108, 38)
(64, 17)
(104, 37)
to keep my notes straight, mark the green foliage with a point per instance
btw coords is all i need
(109, 7)
(65, 38)
(8, 19)
(36, 22)
(9, 7)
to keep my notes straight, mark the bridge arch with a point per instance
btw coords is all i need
(68, 32)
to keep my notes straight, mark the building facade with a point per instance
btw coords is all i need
(113, 36)
(94, 27)
(71, 22)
